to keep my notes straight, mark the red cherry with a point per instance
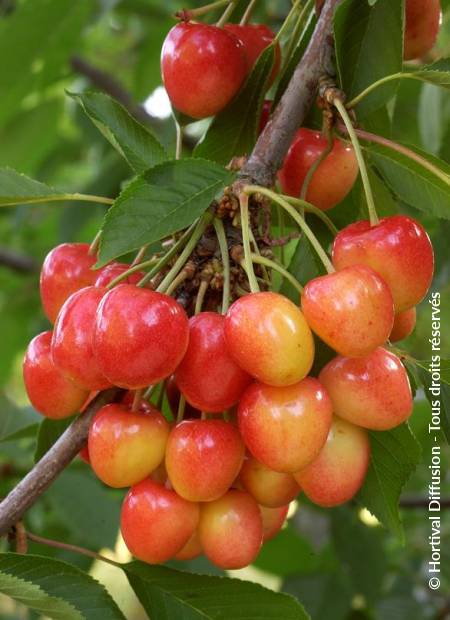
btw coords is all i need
(173, 396)
(371, 391)
(126, 446)
(222, 385)
(230, 530)
(203, 458)
(338, 472)
(156, 523)
(84, 454)
(255, 38)
(192, 549)
(351, 310)
(49, 391)
(285, 427)
(273, 520)
(72, 339)
(66, 269)
(140, 337)
(332, 180)
(268, 336)
(422, 21)
(113, 271)
(269, 488)
(265, 115)
(398, 249)
(404, 324)
(203, 67)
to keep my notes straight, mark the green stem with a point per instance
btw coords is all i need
(137, 398)
(223, 245)
(185, 254)
(203, 10)
(59, 198)
(75, 549)
(248, 13)
(285, 25)
(179, 140)
(266, 277)
(176, 282)
(361, 163)
(256, 189)
(282, 229)
(149, 392)
(293, 39)
(139, 256)
(201, 296)
(95, 243)
(372, 87)
(263, 260)
(245, 223)
(130, 271)
(226, 14)
(309, 208)
(181, 408)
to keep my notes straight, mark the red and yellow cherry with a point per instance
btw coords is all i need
(222, 385)
(371, 391)
(422, 20)
(351, 310)
(192, 549)
(338, 472)
(203, 67)
(203, 457)
(66, 269)
(126, 446)
(273, 520)
(72, 339)
(255, 38)
(155, 522)
(285, 427)
(173, 396)
(49, 391)
(114, 270)
(268, 336)
(231, 530)
(397, 248)
(149, 328)
(404, 323)
(269, 488)
(334, 177)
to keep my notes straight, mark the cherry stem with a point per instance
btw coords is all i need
(281, 223)
(176, 282)
(248, 13)
(384, 80)
(223, 245)
(285, 25)
(137, 398)
(256, 189)
(266, 277)
(312, 169)
(74, 548)
(199, 229)
(202, 10)
(181, 408)
(293, 39)
(179, 140)
(403, 150)
(226, 14)
(149, 391)
(95, 243)
(245, 224)
(130, 271)
(139, 256)
(202, 289)
(309, 208)
(161, 394)
(373, 217)
(263, 260)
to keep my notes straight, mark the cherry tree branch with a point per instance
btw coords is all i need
(17, 262)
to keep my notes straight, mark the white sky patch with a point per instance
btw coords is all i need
(158, 104)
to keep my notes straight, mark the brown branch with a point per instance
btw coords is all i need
(422, 502)
(17, 262)
(28, 491)
(271, 148)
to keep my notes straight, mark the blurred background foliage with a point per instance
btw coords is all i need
(341, 564)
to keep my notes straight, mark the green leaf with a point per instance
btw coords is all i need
(325, 595)
(35, 45)
(368, 47)
(411, 182)
(166, 594)
(163, 200)
(26, 432)
(304, 266)
(287, 554)
(16, 188)
(55, 589)
(132, 140)
(395, 455)
(233, 131)
(14, 421)
(49, 432)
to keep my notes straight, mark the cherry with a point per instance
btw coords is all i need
(220, 387)
(231, 530)
(173, 396)
(422, 20)
(332, 180)
(192, 549)
(203, 67)
(269, 488)
(371, 391)
(398, 249)
(72, 339)
(140, 337)
(285, 427)
(404, 324)
(66, 269)
(49, 391)
(268, 336)
(156, 523)
(351, 310)
(273, 520)
(84, 454)
(113, 271)
(126, 446)
(203, 458)
(338, 472)
(255, 38)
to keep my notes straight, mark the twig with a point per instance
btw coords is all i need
(17, 262)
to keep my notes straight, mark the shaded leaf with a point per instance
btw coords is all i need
(49, 432)
(16, 188)
(14, 420)
(287, 554)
